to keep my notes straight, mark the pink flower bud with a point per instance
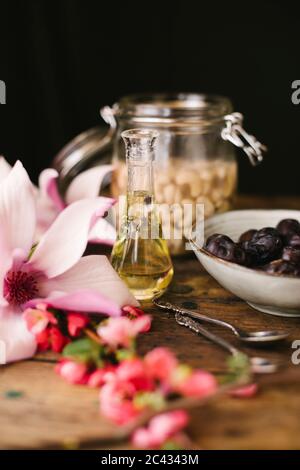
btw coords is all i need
(160, 429)
(197, 384)
(37, 319)
(134, 371)
(72, 372)
(247, 391)
(132, 312)
(116, 401)
(76, 323)
(100, 376)
(121, 331)
(160, 363)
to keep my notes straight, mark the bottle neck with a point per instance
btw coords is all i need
(140, 177)
(139, 144)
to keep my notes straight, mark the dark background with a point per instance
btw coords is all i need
(63, 60)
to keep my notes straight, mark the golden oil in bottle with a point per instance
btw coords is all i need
(140, 254)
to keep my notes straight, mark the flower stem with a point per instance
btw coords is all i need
(92, 335)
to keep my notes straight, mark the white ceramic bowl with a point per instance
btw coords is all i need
(278, 295)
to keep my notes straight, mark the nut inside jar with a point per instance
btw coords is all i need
(205, 186)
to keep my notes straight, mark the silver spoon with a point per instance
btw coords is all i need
(247, 337)
(259, 365)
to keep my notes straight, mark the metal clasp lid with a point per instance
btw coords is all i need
(236, 134)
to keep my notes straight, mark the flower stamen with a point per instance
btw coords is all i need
(19, 287)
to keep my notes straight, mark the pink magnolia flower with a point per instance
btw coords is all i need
(86, 185)
(5, 169)
(161, 363)
(160, 429)
(121, 331)
(116, 401)
(50, 203)
(37, 319)
(53, 272)
(72, 372)
(76, 323)
(198, 384)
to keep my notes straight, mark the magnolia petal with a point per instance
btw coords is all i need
(87, 184)
(93, 273)
(49, 202)
(18, 342)
(65, 241)
(46, 214)
(5, 169)
(5, 265)
(103, 232)
(49, 189)
(17, 211)
(84, 300)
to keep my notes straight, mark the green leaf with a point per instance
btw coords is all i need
(239, 362)
(171, 445)
(239, 369)
(124, 354)
(84, 350)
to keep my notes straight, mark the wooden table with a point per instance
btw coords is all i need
(39, 410)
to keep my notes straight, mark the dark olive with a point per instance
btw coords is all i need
(292, 254)
(219, 245)
(252, 254)
(282, 267)
(239, 256)
(288, 227)
(266, 231)
(218, 237)
(247, 236)
(223, 247)
(293, 240)
(263, 249)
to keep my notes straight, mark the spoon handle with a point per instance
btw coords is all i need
(197, 328)
(191, 313)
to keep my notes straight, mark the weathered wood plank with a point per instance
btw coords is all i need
(269, 421)
(50, 412)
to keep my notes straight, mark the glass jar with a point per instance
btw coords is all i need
(195, 161)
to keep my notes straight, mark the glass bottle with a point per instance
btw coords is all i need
(140, 254)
